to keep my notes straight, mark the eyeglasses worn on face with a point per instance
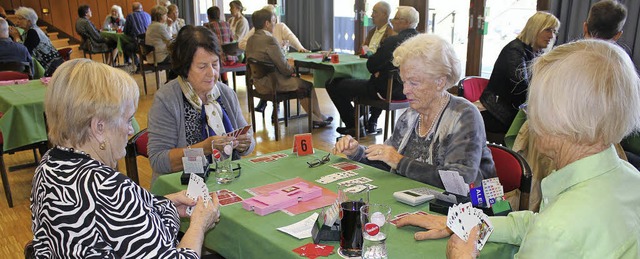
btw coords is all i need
(319, 162)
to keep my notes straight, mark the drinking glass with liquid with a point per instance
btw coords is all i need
(350, 226)
(375, 224)
(222, 150)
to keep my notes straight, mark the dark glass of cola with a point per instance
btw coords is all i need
(351, 228)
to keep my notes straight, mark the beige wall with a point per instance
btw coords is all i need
(64, 13)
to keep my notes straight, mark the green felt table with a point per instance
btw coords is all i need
(117, 36)
(350, 66)
(244, 234)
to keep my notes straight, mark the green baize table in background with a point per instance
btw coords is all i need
(118, 36)
(23, 120)
(244, 234)
(350, 66)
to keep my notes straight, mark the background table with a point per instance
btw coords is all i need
(244, 234)
(117, 36)
(23, 120)
(349, 66)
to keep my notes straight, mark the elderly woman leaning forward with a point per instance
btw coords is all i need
(439, 131)
(80, 205)
(588, 209)
(194, 109)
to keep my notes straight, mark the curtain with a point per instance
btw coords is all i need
(312, 27)
(573, 13)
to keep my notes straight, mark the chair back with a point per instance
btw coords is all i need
(472, 87)
(65, 53)
(512, 169)
(22, 67)
(12, 75)
(259, 68)
(136, 146)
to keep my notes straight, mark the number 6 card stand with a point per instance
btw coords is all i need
(303, 144)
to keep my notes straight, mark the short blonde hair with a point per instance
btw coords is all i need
(435, 53)
(81, 90)
(587, 92)
(28, 14)
(410, 14)
(157, 12)
(537, 23)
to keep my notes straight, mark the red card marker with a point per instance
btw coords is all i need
(372, 229)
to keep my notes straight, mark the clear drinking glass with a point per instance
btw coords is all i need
(375, 224)
(222, 150)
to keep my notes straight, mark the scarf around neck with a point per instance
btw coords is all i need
(216, 118)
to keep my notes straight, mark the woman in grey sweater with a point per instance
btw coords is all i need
(439, 131)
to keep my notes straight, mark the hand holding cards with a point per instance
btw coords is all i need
(463, 217)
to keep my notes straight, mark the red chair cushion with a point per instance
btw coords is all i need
(508, 168)
(12, 75)
(236, 65)
(473, 88)
(141, 144)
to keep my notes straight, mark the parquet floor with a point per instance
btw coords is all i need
(15, 223)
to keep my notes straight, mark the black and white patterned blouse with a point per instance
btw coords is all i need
(81, 208)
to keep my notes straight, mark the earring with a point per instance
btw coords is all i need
(103, 145)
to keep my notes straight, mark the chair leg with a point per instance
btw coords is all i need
(157, 78)
(233, 74)
(310, 109)
(274, 118)
(386, 124)
(144, 77)
(251, 108)
(287, 112)
(356, 106)
(5, 182)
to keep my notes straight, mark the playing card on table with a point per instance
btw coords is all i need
(346, 166)
(359, 187)
(227, 197)
(352, 182)
(336, 176)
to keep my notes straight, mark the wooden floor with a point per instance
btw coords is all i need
(15, 223)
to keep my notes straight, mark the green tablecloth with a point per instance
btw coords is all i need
(349, 66)
(244, 234)
(119, 37)
(23, 119)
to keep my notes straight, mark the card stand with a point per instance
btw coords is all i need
(184, 178)
(500, 208)
(325, 233)
(281, 199)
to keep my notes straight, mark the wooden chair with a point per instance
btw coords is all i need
(21, 67)
(388, 105)
(136, 146)
(231, 49)
(65, 53)
(145, 65)
(275, 97)
(513, 172)
(86, 49)
(471, 87)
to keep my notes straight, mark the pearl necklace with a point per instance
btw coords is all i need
(433, 123)
(72, 150)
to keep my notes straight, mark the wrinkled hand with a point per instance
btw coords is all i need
(303, 50)
(458, 248)
(205, 216)
(181, 201)
(15, 34)
(384, 153)
(346, 145)
(244, 142)
(436, 226)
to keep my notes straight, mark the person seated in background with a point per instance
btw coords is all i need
(509, 81)
(262, 46)
(587, 210)
(194, 109)
(174, 22)
(605, 21)
(136, 24)
(222, 30)
(114, 20)
(92, 41)
(342, 91)
(239, 23)
(158, 35)
(165, 3)
(37, 42)
(283, 35)
(383, 29)
(438, 131)
(11, 51)
(78, 198)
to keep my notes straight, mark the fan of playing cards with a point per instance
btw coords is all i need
(463, 217)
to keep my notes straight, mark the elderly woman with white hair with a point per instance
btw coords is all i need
(36, 41)
(509, 81)
(115, 19)
(80, 205)
(589, 207)
(439, 131)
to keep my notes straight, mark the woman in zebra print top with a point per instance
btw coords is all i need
(81, 207)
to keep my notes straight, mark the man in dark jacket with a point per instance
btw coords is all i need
(379, 65)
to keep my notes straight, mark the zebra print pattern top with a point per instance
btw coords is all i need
(81, 208)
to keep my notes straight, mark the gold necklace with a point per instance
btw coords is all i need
(443, 104)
